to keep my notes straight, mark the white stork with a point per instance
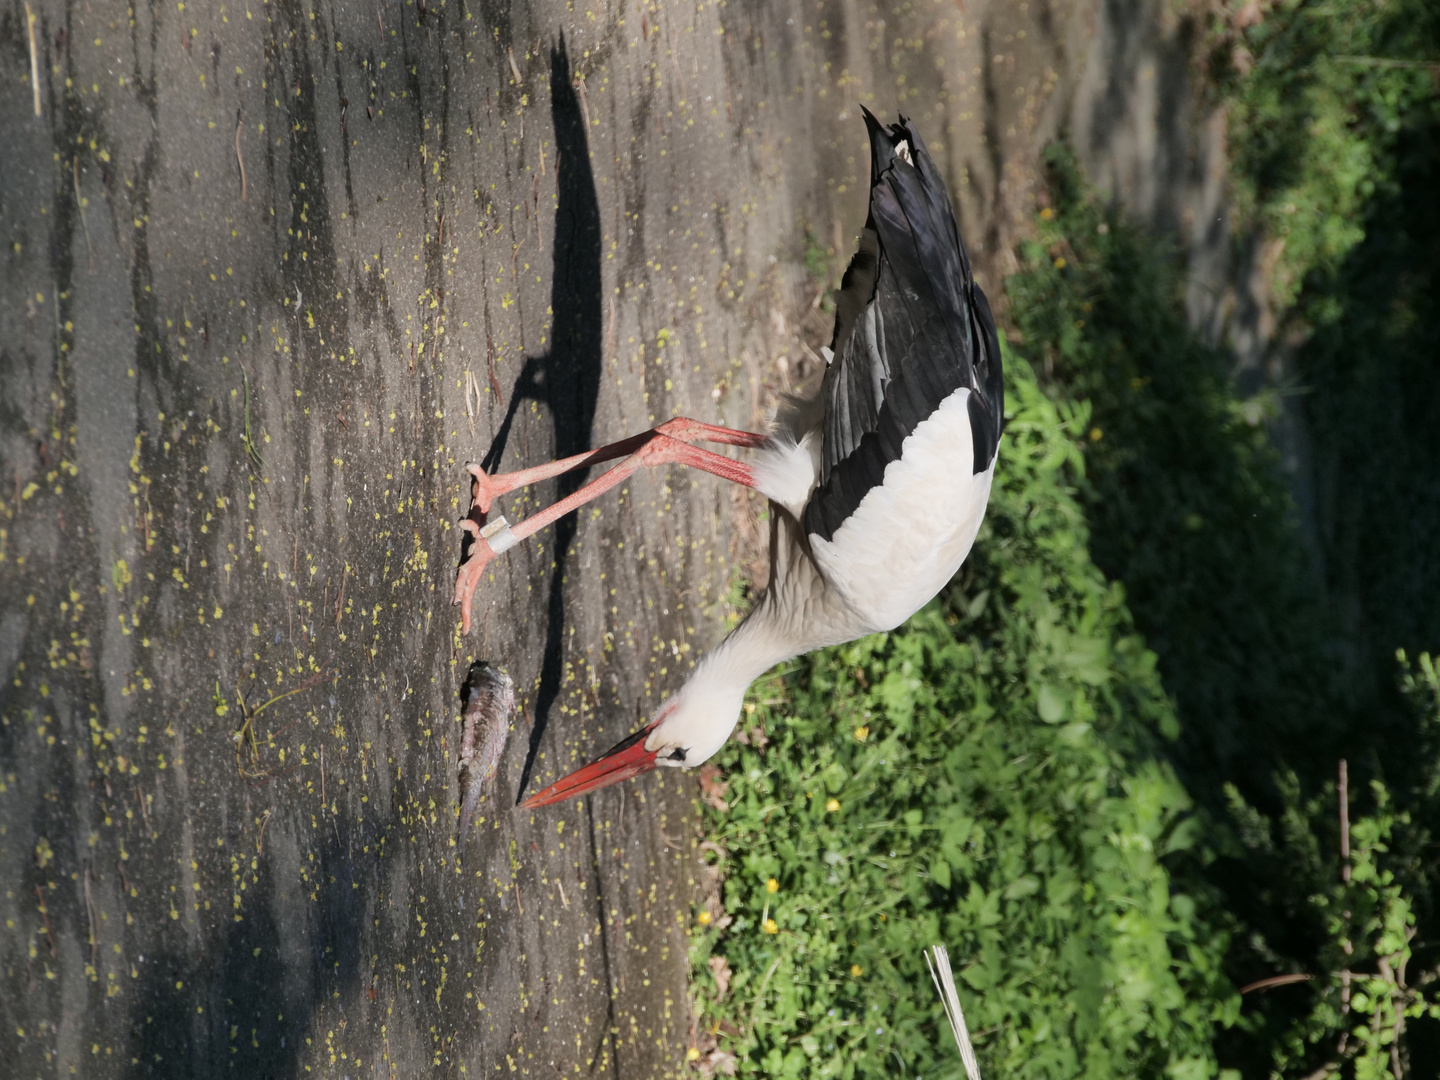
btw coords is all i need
(880, 480)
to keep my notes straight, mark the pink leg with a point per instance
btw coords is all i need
(670, 443)
(486, 488)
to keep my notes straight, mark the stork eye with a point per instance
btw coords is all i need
(677, 755)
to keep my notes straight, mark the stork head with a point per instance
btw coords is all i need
(685, 732)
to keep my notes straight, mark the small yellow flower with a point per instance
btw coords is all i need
(703, 918)
(1096, 434)
(692, 1054)
(862, 732)
(832, 805)
(772, 885)
(1046, 214)
(771, 926)
(856, 971)
(749, 708)
(1060, 263)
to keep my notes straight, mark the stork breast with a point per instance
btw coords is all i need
(910, 533)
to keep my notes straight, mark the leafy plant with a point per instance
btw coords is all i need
(1188, 509)
(1364, 882)
(980, 777)
(1319, 94)
(1185, 498)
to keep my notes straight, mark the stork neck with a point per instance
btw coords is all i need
(750, 650)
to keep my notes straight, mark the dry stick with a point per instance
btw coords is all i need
(244, 187)
(674, 63)
(1344, 822)
(610, 329)
(44, 910)
(260, 839)
(514, 67)
(80, 206)
(584, 105)
(1386, 62)
(340, 597)
(144, 811)
(91, 911)
(1274, 981)
(1344, 799)
(30, 21)
(472, 388)
(944, 980)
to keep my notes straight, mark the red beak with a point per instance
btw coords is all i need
(628, 758)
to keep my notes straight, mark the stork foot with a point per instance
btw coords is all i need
(483, 489)
(468, 576)
(671, 442)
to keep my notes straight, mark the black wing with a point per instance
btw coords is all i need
(911, 328)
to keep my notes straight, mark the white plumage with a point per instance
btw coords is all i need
(892, 555)
(919, 521)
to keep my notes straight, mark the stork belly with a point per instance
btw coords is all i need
(909, 535)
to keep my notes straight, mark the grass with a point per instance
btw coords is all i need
(1099, 768)
(981, 777)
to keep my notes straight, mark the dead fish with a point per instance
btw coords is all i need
(489, 699)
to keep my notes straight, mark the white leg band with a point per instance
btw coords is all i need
(498, 535)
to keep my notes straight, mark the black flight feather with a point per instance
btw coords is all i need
(911, 328)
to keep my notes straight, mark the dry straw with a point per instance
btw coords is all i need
(938, 961)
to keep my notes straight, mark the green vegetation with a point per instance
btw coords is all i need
(982, 777)
(1111, 841)
(1335, 126)
(1276, 676)
(1184, 496)
(1323, 96)
(1144, 862)
(1373, 973)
